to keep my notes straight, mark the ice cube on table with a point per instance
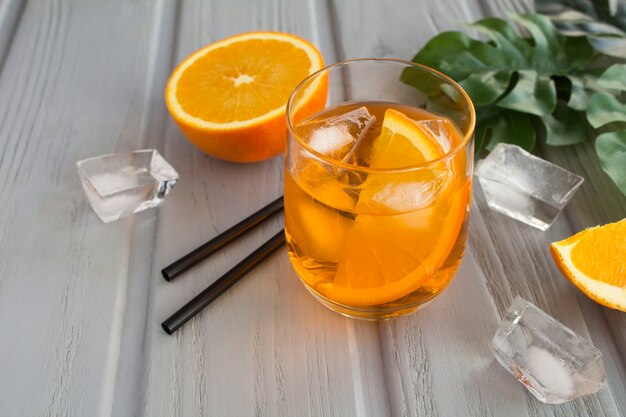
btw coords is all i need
(554, 363)
(525, 187)
(118, 185)
(339, 136)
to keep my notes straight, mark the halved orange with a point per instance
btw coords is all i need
(229, 97)
(595, 261)
(399, 246)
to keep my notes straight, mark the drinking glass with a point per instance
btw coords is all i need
(378, 185)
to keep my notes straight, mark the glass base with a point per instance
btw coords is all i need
(410, 303)
(378, 313)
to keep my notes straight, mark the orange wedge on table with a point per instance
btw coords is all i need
(229, 97)
(388, 258)
(595, 261)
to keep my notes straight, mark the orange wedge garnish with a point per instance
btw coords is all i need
(403, 142)
(389, 256)
(229, 97)
(595, 261)
(387, 261)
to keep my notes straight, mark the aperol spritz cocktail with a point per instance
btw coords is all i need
(377, 191)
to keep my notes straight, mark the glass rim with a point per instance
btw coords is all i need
(467, 135)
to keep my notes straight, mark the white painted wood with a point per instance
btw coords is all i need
(266, 347)
(518, 263)
(371, 28)
(82, 78)
(506, 259)
(10, 13)
(73, 85)
(597, 202)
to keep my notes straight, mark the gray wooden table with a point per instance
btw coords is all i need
(81, 301)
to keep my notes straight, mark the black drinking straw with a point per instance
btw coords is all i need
(220, 286)
(201, 253)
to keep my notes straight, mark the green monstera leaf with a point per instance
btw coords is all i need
(603, 22)
(548, 86)
(607, 111)
(496, 125)
(518, 74)
(611, 149)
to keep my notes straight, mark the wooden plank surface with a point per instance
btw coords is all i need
(81, 301)
(10, 14)
(506, 259)
(73, 85)
(288, 356)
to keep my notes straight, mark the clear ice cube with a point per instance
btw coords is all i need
(525, 187)
(339, 136)
(442, 130)
(329, 140)
(554, 363)
(118, 185)
(408, 196)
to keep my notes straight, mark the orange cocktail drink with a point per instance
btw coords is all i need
(377, 188)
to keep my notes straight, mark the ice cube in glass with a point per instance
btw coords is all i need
(554, 363)
(118, 185)
(339, 136)
(525, 187)
(442, 130)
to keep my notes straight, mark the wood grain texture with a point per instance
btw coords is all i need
(81, 301)
(598, 201)
(506, 259)
(10, 14)
(287, 355)
(73, 85)
(371, 28)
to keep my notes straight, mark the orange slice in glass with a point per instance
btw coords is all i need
(391, 253)
(403, 142)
